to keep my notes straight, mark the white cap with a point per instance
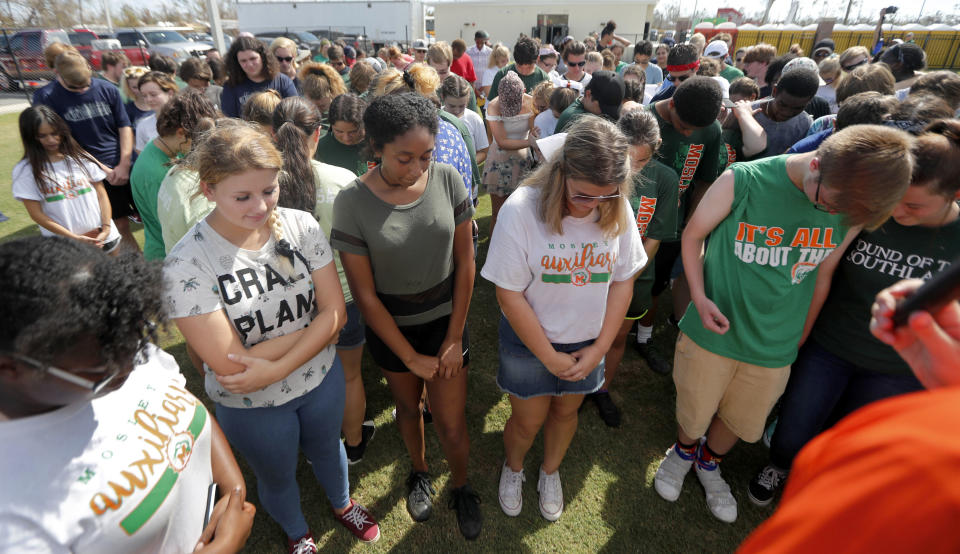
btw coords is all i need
(716, 49)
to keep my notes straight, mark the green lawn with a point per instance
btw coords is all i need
(607, 475)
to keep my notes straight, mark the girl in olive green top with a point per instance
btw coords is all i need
(343, 145)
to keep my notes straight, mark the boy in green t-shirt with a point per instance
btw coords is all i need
(778, 227)
(691, 146)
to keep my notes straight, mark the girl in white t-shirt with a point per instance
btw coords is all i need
(563, 257)
(455, 94)
(60, 184)
(105, 450)
(156, 89)
(254, 292)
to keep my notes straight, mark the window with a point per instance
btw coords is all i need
(161, 37)
(127, 39)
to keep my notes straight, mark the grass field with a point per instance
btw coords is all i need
(607, 475)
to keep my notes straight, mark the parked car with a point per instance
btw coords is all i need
(82, 40)
(28, 45)
(159, 41)
(208, 38)
(304, 40)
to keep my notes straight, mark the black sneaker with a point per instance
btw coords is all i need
(609, 412)
(427, 415)
(419, 503)
(654, 361)
(765, 485)
(467, 504)
(355, 453)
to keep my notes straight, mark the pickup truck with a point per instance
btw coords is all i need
(27, 45)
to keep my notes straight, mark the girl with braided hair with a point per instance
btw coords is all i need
(253, 289)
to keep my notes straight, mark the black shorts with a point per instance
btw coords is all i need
(121, 200)
(663, 264)
(426, 339)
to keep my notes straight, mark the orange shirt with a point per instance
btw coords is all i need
(884, 479)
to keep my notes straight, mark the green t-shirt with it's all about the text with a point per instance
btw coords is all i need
(761, 266)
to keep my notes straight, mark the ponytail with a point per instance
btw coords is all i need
(294, 122)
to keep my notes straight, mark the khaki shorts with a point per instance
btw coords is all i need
(740, 394)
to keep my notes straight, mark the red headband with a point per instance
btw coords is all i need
(688, 67)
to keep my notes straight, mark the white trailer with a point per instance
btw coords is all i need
(380, 21)
(505, 20)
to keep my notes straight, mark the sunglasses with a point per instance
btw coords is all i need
(679, 78)
(578, 64)
(70, 376)
(76, 88)
(585, 199)
(853, 66)
(287, 59)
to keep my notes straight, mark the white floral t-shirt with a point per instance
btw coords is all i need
(205, 272)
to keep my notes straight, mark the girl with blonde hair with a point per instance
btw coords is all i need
(253, 289)
(568, 232)
(285, 52)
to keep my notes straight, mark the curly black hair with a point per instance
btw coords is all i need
(698, 100)
(58, 292)
(163, 64)
(683, 54)
(189, 110)
(801, 84)
(347, 107)
(392, 115)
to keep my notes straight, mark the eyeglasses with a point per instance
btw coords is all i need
(76, 88)
(816, 199)
(853, 66)
(68, 376)
(678, 78)
(585, 199)
(287, 59)
(578, 64)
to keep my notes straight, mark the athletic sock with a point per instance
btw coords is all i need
(644, 333)
(708, 459)
(686, 451)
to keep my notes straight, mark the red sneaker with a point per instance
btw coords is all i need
(359, 521)
(303, 545)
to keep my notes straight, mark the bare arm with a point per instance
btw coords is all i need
(375, 314)
(35, 211)
(824, 277)
(618, 301)
(120, 175)
(754, 136)
(499, 131)
(715, 206)
(465, 268)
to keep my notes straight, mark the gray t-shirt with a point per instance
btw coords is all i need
(783, 135)
(410, 246)
(264, 297)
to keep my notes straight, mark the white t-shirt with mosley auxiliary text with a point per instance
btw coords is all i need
(127, 472)
(67, 196)
(261, 295)
(565, 278)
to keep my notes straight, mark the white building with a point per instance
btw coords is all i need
(506, 20)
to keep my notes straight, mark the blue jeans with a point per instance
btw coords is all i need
(824, 388)
(270, 440)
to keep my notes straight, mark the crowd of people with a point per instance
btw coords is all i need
(307, 209)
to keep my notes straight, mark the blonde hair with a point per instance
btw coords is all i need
(259, 108)
(542, 92)
(133, 72)
(594, 57)
(853, 52)
(594, 151)
(761, 52)
(829, 66)
(420, 78)
(320, 81)
(73, 69)
(284, 42)
(609, 60)
(440, 52)
(500, 52)
(53, 50)
(231, 148)
(361, 75)
(868, 168)
(698, 40)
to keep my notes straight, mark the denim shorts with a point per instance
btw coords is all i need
(524, 376)
(352, 335)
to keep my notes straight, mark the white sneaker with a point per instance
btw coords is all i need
(551, 495)
(720, 500)
(669, 479)
(511, 490)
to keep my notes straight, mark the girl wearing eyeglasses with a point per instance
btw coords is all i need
(127, 453)
(563, 258)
